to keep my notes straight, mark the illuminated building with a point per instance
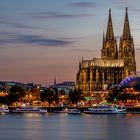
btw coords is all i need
(113, 66)
(131, 82)
(64, 89)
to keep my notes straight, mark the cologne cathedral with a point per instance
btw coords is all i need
(115, 63)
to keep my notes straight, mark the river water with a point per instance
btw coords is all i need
(31, 126)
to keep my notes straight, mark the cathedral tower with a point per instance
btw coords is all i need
(109, 46)
(113, 66)
(126, 49)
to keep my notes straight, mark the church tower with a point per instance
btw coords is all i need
(109, 46)
(113, 66)
(126, 49)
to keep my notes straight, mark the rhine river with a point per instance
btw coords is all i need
(69, 127)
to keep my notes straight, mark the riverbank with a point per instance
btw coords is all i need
(51, 109)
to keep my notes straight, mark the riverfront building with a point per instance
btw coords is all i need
(115, 63)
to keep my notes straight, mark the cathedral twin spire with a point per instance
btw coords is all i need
(126, 28)
(126, 50)
(109, 49)
(109, 32)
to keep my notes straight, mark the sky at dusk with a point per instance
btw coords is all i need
(43, 39)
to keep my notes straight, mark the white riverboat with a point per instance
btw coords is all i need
(4, 109)
(106, 109)
(29, 109)
(73, 111)
(61, 111)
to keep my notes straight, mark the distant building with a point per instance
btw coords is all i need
(10, 84)
(66, 86)
(3, 91)
(132, 81)
(113, 66)
(63, 90)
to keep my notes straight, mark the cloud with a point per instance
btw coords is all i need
(53, 66)
(38, 40)
(4, 41)
(135, 9)
(122, 4)
(83, 4)
(84, 50)
(13, 38)
(16, 25)
(55, 15)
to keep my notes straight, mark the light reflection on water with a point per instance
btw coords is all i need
(33, 126)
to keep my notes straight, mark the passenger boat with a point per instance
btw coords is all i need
(4, 109)
(29, 109)
(61, 111)
(106, 109)
(73, 111)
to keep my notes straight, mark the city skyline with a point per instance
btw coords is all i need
(42, 40)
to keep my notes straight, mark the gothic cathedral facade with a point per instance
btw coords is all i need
(113, 66)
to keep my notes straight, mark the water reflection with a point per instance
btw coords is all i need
(35, 126)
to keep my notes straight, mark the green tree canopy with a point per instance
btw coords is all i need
(15, 93)
(49, 95)
(75, 96)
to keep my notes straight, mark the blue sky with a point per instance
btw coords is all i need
(43, 39)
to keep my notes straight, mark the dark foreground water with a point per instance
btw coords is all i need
(69, 127)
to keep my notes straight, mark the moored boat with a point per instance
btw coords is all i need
(29, 109)
(73, 111)
(106, 109)
(61, 111)
(4, 109)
